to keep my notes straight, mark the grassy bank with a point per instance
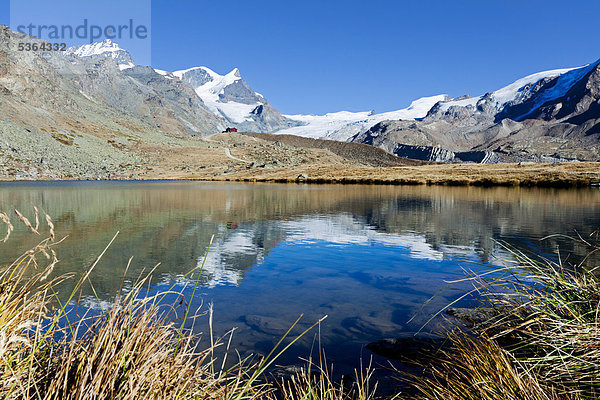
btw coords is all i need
(542, 340)
(564, 175)
(487, 175)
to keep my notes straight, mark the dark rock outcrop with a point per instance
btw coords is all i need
(425, 153)
(267, 325)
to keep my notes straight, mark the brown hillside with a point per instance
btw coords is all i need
(357, 152)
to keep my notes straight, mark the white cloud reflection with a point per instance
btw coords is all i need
(231, 248)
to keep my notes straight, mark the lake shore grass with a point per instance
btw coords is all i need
(530, 175)
(542, 342)
(541, 339)
(580, 174)
(139, 347)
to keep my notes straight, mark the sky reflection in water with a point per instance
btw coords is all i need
(369, 257)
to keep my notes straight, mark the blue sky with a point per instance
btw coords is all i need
(325, 56)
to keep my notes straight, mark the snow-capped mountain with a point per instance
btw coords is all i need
(508, 102)
(507, 94)
(551, 115)
(548, 116)
(344, 125)
(103, 49)
(230, 97)
(226, 95)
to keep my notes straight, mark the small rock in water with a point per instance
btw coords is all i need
(369, 326)
(268, 325)
(286, 372)
(409, 349)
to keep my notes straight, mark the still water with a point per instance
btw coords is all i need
(368, 257)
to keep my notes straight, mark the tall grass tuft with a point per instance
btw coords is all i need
(315, 381)
(128, 352)
(25, 294)
(133, 350)
(136, 349)
(541, 341)
(477, 368)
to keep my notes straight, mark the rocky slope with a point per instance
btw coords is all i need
(195, 102)
(361, 154)
(73, 94)
(66, 115)
(228, 96)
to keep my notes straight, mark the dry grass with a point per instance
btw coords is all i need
(542, 175)
(548, 314)
(315, 381)
(477, 369)
(195, 159)
(24, 310)
(542, 342)
(136, 349)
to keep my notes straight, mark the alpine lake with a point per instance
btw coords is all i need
(379, 261)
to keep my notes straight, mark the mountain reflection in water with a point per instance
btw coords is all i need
(367, 256)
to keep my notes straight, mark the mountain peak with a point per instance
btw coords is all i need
(106, 48)
(229, 96)
(92, 49)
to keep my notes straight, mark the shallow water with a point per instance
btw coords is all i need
(368, 257)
